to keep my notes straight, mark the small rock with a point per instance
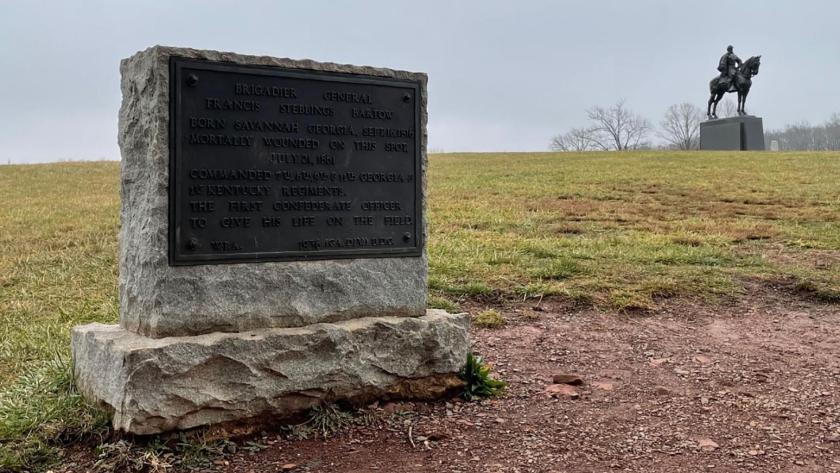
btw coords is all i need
(658, 361)
(288, 467)
(663, 391)
(499, 420)
(833, 438)
(564, 378)
(391, 407)
(703, 359)
(707, 444)
(604, 386)
(562, 390)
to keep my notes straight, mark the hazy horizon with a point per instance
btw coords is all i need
(502, 76)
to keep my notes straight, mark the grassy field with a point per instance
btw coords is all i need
(618, 230)
(625, 230)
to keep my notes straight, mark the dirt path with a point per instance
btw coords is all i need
(752, 387)
(693, 388)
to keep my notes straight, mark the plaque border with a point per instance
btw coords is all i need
(179, 258)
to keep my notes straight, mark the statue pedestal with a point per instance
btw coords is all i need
(744, 133)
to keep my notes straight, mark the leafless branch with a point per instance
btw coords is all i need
(617, 127)
(576, 139)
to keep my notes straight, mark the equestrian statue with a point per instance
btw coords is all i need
(735, 76)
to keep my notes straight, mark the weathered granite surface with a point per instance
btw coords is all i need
(158, 300)
(157, 385)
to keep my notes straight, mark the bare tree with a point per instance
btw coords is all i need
(617, 127)
(576, 139)
(681, 125)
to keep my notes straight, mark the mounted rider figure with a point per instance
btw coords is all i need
(728, 66)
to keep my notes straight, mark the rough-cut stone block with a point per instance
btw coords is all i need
(158, 300)
(157, 385)
(745, 133)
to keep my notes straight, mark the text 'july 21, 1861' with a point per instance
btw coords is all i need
(274, 164)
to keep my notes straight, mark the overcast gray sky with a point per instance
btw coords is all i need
(503, 75)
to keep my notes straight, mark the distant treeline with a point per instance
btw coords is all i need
(618, 128)
(806, 137)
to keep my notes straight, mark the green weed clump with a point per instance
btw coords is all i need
(490, 318)
(478, 383)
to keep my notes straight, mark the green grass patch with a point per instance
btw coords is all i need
(626, 230)
(42, 411)
(440, 302)
(490, 318)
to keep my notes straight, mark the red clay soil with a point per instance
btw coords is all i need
(750, 385)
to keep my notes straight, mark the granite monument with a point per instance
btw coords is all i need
(272, 244)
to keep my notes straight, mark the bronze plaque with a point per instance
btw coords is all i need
(274, 164)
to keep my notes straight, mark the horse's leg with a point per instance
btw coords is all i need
(709, 106)
(714, 106)
(744, 102)
(717, 99)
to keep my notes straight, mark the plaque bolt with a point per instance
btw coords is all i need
(193, 243)
(406, 236)
(192, 80)
(406, 98)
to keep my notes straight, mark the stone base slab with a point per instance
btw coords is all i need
(157, 385)
(744, 133)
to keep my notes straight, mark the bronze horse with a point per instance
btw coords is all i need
(742, 81)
